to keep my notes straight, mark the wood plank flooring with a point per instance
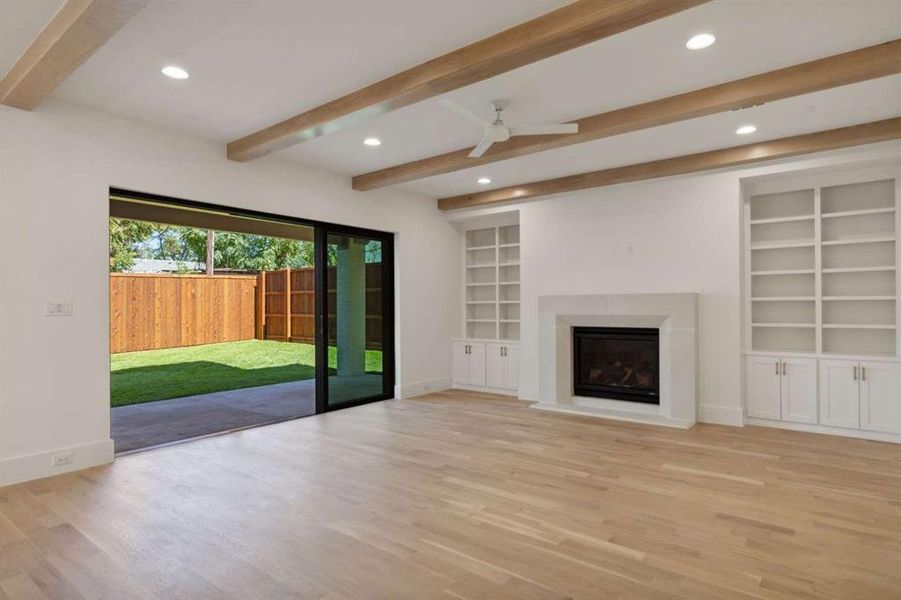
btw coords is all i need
(466, 496)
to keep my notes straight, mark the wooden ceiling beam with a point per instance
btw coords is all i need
(833, 71)
(855, 135)
(77, 30)
(574, 25)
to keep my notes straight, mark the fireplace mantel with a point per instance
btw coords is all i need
(675, 315)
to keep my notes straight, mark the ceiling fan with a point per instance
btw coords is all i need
(497, 131)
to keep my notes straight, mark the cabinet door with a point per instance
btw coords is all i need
(840, 394)
(494, 362)
(880, 397)
(460, 366)
(477, 364)
(799, 390)
(511, 367)
(763, 387)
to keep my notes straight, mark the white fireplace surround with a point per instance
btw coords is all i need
(675, 315)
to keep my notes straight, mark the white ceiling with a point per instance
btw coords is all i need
(20, 22)
(253, 63)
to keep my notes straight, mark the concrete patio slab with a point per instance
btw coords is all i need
(138, 426)
(153, 423)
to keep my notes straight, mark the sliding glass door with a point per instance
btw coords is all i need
(356, 325)
(281, 300)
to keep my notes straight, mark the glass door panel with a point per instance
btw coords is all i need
(357, 319)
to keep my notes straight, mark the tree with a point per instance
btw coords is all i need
(236, 251)
(125, 237)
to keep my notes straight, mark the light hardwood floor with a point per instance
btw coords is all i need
(463, 495)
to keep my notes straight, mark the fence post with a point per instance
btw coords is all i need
(261, 305)
(288, 305)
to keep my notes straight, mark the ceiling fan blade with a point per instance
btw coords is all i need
(465, 112)
(481, 148)
(545, 129)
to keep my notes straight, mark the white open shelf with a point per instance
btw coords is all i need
(784, 272)
(802, 243)
(870, 298)
(875, 239)
(783, 220)
(492, 276)
(822, 269)
(856, 326)
(857, 213)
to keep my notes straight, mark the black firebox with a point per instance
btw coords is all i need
(619, 363)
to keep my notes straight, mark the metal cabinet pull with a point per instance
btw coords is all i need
(855, 373)
(863, 373)
(777, 368)
(784, 369)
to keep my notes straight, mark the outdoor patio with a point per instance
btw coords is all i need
(138, 426)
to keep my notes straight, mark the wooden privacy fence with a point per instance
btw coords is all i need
(291, 292)
(155, 311)
(149, 312)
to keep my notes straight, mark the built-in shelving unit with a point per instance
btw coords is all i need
(492, 283)
(821, 266)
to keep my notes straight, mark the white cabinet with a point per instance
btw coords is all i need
(840, 400)
(861, 395)
(782, 388)
(849, 394)
(469, 363)
(502, 365)
(880, 397)
(486, 364)
(494, 358)
(764, 387)
(511, 366)
(799, 390)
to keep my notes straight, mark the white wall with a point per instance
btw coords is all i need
(680, 234)
(56, 165)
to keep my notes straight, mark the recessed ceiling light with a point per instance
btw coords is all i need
(700, 41)
(372, 141)
(174, 72)
(484, 180)
(746, 130)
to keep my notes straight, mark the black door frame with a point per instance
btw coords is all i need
(322, 318)
(321, 229)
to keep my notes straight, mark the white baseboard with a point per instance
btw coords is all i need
(587, 411)
(36, 466)
(419, 388)
(810, 428)
(721, 415)
(485, 390)
(529, 392)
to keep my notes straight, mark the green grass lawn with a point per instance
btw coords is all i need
(175, 372)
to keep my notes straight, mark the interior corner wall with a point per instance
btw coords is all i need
(56, 166)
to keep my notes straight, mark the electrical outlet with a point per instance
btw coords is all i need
(59, 308)
(62, 459)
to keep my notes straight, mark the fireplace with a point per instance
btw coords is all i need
(618, 363)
